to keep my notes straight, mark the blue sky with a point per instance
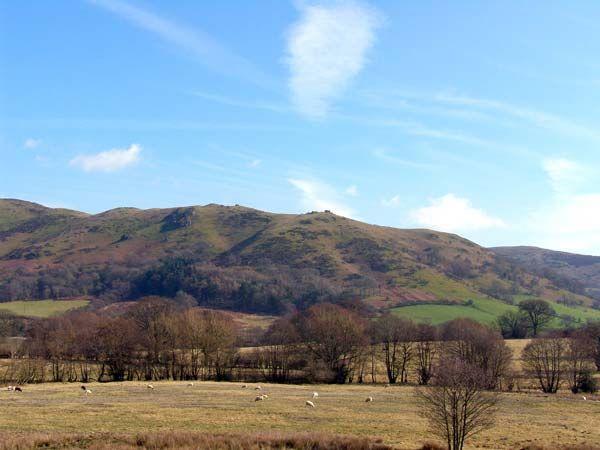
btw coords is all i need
(479, 118)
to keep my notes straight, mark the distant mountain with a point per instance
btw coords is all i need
(582, 270)
(238, 258)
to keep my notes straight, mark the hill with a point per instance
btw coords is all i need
(238, 258)
(581, 271)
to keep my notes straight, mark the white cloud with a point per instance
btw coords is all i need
(352, 190)
(327, 48)
(563, 174)
(108, 161)
(31, 143)
(453, 214)
(193, 41)
(254, 163)
(570, 223)
(391, 202)
(318, 196)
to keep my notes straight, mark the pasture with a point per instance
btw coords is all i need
(42, 308)
(131, 408)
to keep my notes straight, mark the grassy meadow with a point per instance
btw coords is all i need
(486, 310)
(131, 408)
(42, 308)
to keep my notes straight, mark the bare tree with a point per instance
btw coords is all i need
(335, 336)
(579, 361)
(395, 335)
(425, 350)
(591, 334)
(457, 406)
(276, 356)
(543, 359)
(480, 346)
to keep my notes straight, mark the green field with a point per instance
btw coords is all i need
(42, 308)
(486, 310)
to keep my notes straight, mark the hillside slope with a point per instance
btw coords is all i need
(243, 259)
(582, 269)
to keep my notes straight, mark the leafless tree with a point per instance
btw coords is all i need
(544, 360)
(335, 336)
(579, 361)
(395, 336)
(457, 405)
(478, 345)
(426, 349)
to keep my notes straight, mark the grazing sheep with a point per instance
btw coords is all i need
(244, 386)
(387, 385)
(309, 403)
(150, 386)
(258, 398)
(190, 384)
(11, 388)
(83, 388)
(88, 391)
(265, 396)
(369, 399)
(257, 388)
(315, 395)
(18, 389)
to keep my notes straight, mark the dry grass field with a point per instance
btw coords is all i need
(131, 408)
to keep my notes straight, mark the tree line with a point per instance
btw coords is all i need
(159, 339)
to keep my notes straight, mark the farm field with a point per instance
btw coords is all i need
(485, 311)
(131, 408)
(42, 308)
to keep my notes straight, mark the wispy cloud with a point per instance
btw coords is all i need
(194, 42)
(254, 163)
(538, 118)
(391, 202)
(352, 190)
(454, 214)
(230, 101)
(477, 105)
(108, 161)
(326, 49)
(31, 143)
(387, 156)
(564, 174)
(413, 128)
(319, 196)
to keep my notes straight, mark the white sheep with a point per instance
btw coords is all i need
(265, 396)
(257, 388)
(315, 395)
(369, 399)
(11, 388)
(191, 384)
(88, 391)
(150, 386)
(258, 398)
(584, 397)
(309, 403)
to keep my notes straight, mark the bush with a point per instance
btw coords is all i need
(586, 383)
